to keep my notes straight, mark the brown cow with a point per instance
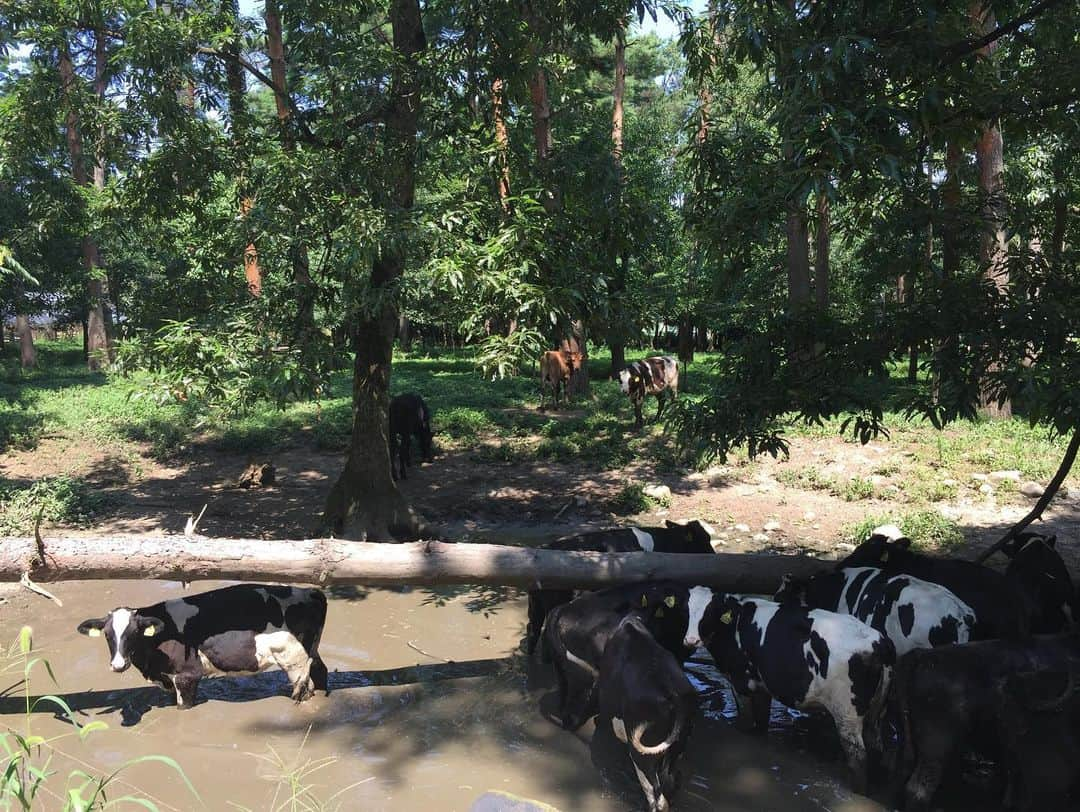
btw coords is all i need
(556, 367)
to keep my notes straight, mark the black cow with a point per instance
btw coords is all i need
(1039, 731)
(650, 376)
(911, 612)
(1001, 605)
(693, 537)
(805, 658)
(1037, 565)
(236, 630)
(943, 696)
(409, 416)
(577, 632)
(649, 703)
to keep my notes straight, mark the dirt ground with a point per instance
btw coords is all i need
(749, 504)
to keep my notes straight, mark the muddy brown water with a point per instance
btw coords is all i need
(402, 728)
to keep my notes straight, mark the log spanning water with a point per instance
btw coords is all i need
(331, 561)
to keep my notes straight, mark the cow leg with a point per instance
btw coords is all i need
(289, 654)
(659, 405)
(186, 687)
(638, 422)
(851, 739)
(932, 756)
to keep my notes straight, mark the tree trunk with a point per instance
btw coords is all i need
(502, 144)
(329, 562)
(686, 339)
(950, 248)
(575, 342)
(238, 128)
(27, 353)
(798, 255)
(822, 239)
(97, 340)
(365, 502)
(619, 258)
(304, 329)
(989, 154)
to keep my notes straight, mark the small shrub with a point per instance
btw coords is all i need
(463, 423)
(60, 500)
(926, 528)
(632, 499)
(855, 490)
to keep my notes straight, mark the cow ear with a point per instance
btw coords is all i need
(151, 626)
(670, 524)
(92, 627)
(644, 601)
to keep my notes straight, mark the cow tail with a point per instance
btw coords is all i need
(656, 749)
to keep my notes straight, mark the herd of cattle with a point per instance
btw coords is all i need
(914, 658)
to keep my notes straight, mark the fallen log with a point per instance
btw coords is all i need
(330, 561)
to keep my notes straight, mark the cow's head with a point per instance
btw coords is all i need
(123, 630)
(1037, 565)
(664, 608)
(573, 361)
(626, 377)
(792, 590)
(878, 551)
(693, 537)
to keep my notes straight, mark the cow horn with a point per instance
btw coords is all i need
(656, 749)
(1061, 699)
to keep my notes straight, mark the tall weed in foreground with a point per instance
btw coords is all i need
(30, 780)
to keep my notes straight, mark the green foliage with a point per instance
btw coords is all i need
(28, 778)
(59, 500)
(929, 529)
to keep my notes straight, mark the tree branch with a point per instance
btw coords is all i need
(961, 49)
(1044, 500)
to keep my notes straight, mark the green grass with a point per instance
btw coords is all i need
(59, 500)
(927, 529)
(489, 419)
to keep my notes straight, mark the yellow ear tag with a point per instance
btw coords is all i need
(149, 631)
(93, 632)
(637, 378)
(726, 617)
(659, 612)
(644, 602)
(669, 601)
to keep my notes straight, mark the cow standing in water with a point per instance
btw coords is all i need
(650, 376)
(240, 629)
(556, 369)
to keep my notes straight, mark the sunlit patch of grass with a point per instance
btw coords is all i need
(928, 529)
(62, 500)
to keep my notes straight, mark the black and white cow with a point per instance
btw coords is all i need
(649, 703)
(239, 629)
(693, 537)
(805, 658)
(576, 634)
(1001, 604)
(409, 417)
(944, 696)
(650, 376)
(911, 612)
(1037, 565)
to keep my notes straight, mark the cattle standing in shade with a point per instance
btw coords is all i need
(911, 612)
(649, 703)
(651, 376)
(805, 658)
(409, 417)
(240, 629)
(1001, 605)
(1037, 565)
(693, 537)
(577, 633)
(942, 696)
(556, 368)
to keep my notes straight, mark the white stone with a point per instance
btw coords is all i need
(809, 516)
(980, 477)
(986, 488)
(658, 492)
(1001, 476)
(844, 546)
(1032, 490)
(742, 528)
(760, 537)
(770, 526)
(951, 483)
